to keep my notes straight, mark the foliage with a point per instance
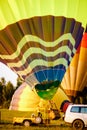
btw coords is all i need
(6, 92)
(82, 97)
(6, 104)
(19, 82)
(1, 94)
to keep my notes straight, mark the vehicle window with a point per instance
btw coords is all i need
(83, 109)
(74, 109)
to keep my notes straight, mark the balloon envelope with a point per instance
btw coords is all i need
(39, 39)
(24, 99)
(12, 11)
(75, 78)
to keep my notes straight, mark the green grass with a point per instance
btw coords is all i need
(7, 115)
(11, 127)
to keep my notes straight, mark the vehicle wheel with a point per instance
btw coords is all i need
(78, 124)
(38, 120)
(27, 123)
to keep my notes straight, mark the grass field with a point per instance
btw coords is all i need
(11, 127)
(6, 118)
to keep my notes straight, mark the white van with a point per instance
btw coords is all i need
(76, 114)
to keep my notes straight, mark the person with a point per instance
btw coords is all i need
(33, 115)
(40, 114)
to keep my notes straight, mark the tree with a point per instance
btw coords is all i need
(19, 82)
(1, 94)
(3, 81)
(8, 91)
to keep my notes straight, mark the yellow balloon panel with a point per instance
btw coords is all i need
(15, 10)
(24, 99)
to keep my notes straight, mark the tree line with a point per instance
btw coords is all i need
(6, 92)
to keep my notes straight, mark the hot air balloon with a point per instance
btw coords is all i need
(24, 99)
(39, 39)
(75, 78)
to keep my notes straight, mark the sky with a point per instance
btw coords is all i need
(8, 74)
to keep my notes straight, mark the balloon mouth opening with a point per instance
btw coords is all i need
(47, 85)
(47, 89)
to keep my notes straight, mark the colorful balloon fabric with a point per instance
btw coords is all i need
(24, 99)
(75, 78)
(39, 39)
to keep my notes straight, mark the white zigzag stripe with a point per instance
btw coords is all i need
(28, 38)
(32, 50)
